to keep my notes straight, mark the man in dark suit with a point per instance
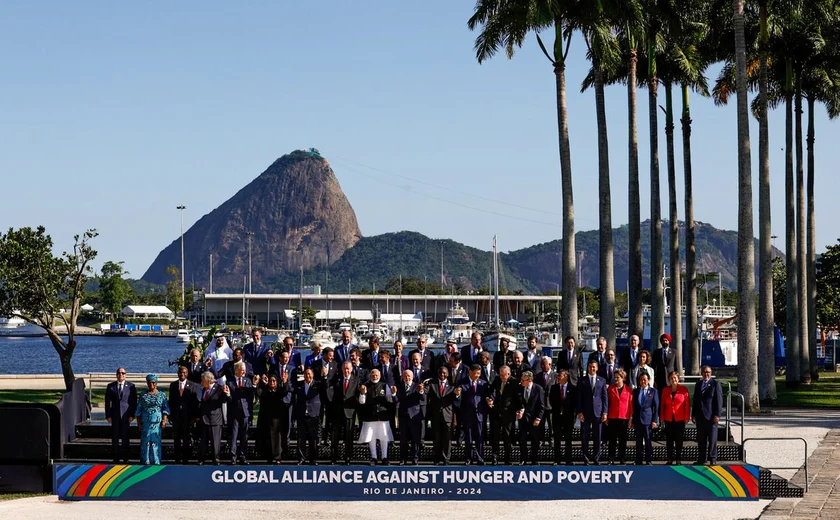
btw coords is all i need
(342, 351)
(570, 359)
(315, 354)
(441, 397)
(289, 347)
(630, 357)
(182, 407)
(426, 357)
(530, 417)
(600, 353)
(416, 367)
(706, 408)
(664, 362)
(518, 366)
(470, 353)
(228, 371)
(195, 366)
(563, 401)
(442, 360)
(390, 372)
(458, 372)
(343, 399)
(645, 417)
(410, 396)
(592, 411)
(370, 357)
(607, 370)
(531, 356)
(472, 411)
(282, 365)
(504, 355)
(307, 407)
(504, 404)
(360, 372)
(488, 372)
(210, 400)
(546, 377)
(240, 412)
(120, 410)
(256, 352)
(326, 370)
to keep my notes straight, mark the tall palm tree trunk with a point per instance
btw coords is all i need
(676, 285)
(792, 346)
(812, 252)
(766, 347)
(570, 311)
(802, 271)
(657, 310)
(606, 272)
(747, 355)
(691, 327)
(635, 322)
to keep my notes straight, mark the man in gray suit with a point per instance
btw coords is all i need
(120, 409)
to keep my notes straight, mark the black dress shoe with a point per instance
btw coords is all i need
(244, 462)
(554, 464)
(494, 461)
(467, 462)
(416, 462)
(522, 463)
(233, 462)
(301, 463)
(346, 462)
(372, 462)
(596, 463)
(313, 463)
(201, 463)
(216, 462)
(385, 462)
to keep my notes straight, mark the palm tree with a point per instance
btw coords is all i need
(747, 355)
(504, 25)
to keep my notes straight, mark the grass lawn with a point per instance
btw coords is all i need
(824, 393)
(41, 396)
(14, 496)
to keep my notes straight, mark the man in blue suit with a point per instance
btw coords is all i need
(256, 352)
(307, 410)
(410, 396)
(705, 412)
(342, 351)
(592, 411)
(645, 417)
(120, 410)
(240, 411)
(426, 357)
(473, 410)
(530, 417)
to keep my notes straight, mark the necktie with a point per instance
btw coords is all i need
(609, 373)
(570, 357)
(240, 382)
(562, 392)
(527, 393)
(206, 394)
(487, 372)
(121, 386)
(375, 357)
(416, 373)
(502, 389)
(282, 371)
(442, 388)
(306, 389)
(633, 356)
(592, 380)
(473, 385)
(346, 383)
(642, 398)
(664, 355)
(703, 386)
(181, 390)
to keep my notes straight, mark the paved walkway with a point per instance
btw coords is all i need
(823, 497)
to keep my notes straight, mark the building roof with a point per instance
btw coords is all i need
(146, 309)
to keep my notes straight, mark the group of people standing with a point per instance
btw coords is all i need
(467, 395)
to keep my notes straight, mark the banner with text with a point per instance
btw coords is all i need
(134, 482)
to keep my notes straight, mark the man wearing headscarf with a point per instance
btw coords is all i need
(664, 361)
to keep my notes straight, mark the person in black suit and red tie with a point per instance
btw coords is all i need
(592, 407)
(210, 415)
(240, 411)
(441, 398)
(563, 401)
(530, 417)
(182, 405)
(120, 410)
(645, 417)
(343, 399)
(705, 412)
(473, 409)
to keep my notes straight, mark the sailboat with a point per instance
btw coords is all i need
(490, 341)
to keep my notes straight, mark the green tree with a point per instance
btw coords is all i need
(113, 289)
(35, 285)
(308, 313)
(173, 290)
(828, 288)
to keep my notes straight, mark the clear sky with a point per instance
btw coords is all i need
(114, 113)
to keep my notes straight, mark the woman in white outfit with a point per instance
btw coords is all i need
(642, 368)
(375, 413)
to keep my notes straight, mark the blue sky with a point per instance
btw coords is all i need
(114, 113)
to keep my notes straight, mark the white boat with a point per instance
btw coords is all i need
(324, 338)
(458, 325)
(344, 326)
(490, 341)
(18, 327)
(183, 336)
(306, 328)
(362, 329)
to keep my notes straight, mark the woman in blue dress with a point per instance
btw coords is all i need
(152, 412)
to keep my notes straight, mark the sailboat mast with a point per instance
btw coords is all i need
(496, 281)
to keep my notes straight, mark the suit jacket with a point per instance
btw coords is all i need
(306, 404)
(575, 367)
(228, 372)
(427, 360)
(634, 374)
(545, 380)
(404, 362)
(600, 358)
(536, 363)
(343, 403)
(592, 402)
(502, 357)
(276, 404)
(489, 373)
(182, 407)
(621, 405)
(708, 402)
(367, 359)
(608, 372)
(342, 352)
(467, 357)
(646, 412)
(210, 409)
(626, 359)
(440, 405)
(459, 376)
(507, 403)
(377, 402)
(309, 359)
(422, 374)
(676, 408)
(563, 405)
(120, 406)
(535, 405)
(411, 404)
(332, 370)
(256, 356)
(473, 407)
(241, 404)
(194, 370)
(663, 365)
(390, 375)
(361, 373)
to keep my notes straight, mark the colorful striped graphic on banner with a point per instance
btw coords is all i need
(101, 480)
(723, 481)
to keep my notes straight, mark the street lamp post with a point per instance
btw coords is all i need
(249, 234)
(181, 208)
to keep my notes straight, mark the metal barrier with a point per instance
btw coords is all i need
(805, 453)
(729, 419)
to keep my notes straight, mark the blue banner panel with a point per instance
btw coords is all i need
(134, 482)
